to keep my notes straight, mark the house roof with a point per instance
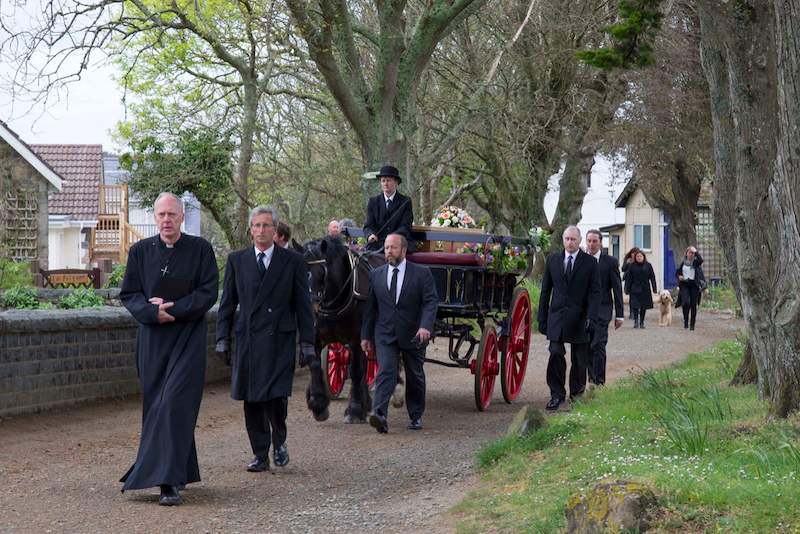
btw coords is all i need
(24, 150)
(82, 168)
(630, 188)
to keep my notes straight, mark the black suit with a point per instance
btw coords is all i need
(568, 318)
(397, 220)
(393, 326)
(609, 282)
(271, 310)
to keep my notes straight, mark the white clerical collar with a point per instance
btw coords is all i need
(385, 198)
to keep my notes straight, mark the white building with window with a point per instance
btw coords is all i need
(599, 208)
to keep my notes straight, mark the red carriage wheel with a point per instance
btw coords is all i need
(516, 345)
(372, 369)
(485, 368)
(336, 368)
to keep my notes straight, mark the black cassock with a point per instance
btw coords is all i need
(170, 357)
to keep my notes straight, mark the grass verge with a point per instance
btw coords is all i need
(704, 448)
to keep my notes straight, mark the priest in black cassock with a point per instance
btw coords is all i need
(269, 285)
(171, 281)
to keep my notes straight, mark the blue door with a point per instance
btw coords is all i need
(669, 261)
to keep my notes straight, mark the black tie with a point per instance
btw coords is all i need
(393, 287)
(388, 204)
(262, 269)
(568, 272)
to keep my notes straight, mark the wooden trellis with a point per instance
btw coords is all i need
(19, 211)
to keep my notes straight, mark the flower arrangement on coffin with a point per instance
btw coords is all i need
(453, 217)
(503, 256)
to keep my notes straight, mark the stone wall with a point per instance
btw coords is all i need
(53, 358)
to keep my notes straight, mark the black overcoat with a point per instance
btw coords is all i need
(271, 310)
(170, 357)
(398, 220)
(641, 278)
(610, 283)
(575, 304)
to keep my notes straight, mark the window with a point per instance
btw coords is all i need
(641, 236)
(615, 246)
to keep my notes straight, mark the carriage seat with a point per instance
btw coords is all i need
(446, 258)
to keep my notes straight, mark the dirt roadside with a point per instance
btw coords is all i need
(59, 470)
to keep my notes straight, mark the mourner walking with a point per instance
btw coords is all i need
(610, 304)
(572, 278)
(268, 284)
(400, 313)
(170, 283)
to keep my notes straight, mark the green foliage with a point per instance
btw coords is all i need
(639, 23)
(199, 162)
(534, 288)
(13, 274)
(720, 297)
(116, 276)
(22, 297)
(744, 482)
(503, 256)
(80, 298)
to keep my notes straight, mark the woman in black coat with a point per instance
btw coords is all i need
(626, 261)
(640, 278)
(691, 281)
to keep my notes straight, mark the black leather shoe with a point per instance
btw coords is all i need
(378, 422)
(281, 456)
(691, 327)
(415, 424)
(257, 466)
(181, 487)
(169, 496)
(553, 405)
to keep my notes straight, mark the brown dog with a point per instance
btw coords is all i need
(664, 308)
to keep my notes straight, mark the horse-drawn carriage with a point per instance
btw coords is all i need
(474, 288)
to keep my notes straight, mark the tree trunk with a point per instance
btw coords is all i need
(750, 56)
(747, 372)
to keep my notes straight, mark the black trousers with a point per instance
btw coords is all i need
(690, 289)
(557, 369)
(413, 360)
(259, 417)
(597, 354)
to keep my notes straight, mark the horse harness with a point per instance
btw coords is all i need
(351, 282)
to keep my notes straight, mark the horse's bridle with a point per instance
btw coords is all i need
(320, 296)
(350, 283)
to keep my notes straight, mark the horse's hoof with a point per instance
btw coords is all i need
(350, 420)
(322, 416)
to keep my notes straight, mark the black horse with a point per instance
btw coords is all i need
(338, 285)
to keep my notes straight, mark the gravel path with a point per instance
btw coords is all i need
(59, 470)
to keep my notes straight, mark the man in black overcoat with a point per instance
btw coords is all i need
(390, 212)
(610, 301)
(268, 284)
(400, 313)
(572, 278)
(171, 281)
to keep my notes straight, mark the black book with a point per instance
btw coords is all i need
(173, 289)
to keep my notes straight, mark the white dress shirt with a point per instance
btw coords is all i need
(267, 254)
(566, 259)
(401, 274)
(387, 199)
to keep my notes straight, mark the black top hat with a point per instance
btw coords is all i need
(388, 170)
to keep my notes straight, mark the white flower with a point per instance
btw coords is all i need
(455, 220)
(446, 222)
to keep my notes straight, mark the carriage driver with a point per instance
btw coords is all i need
(388, 213)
